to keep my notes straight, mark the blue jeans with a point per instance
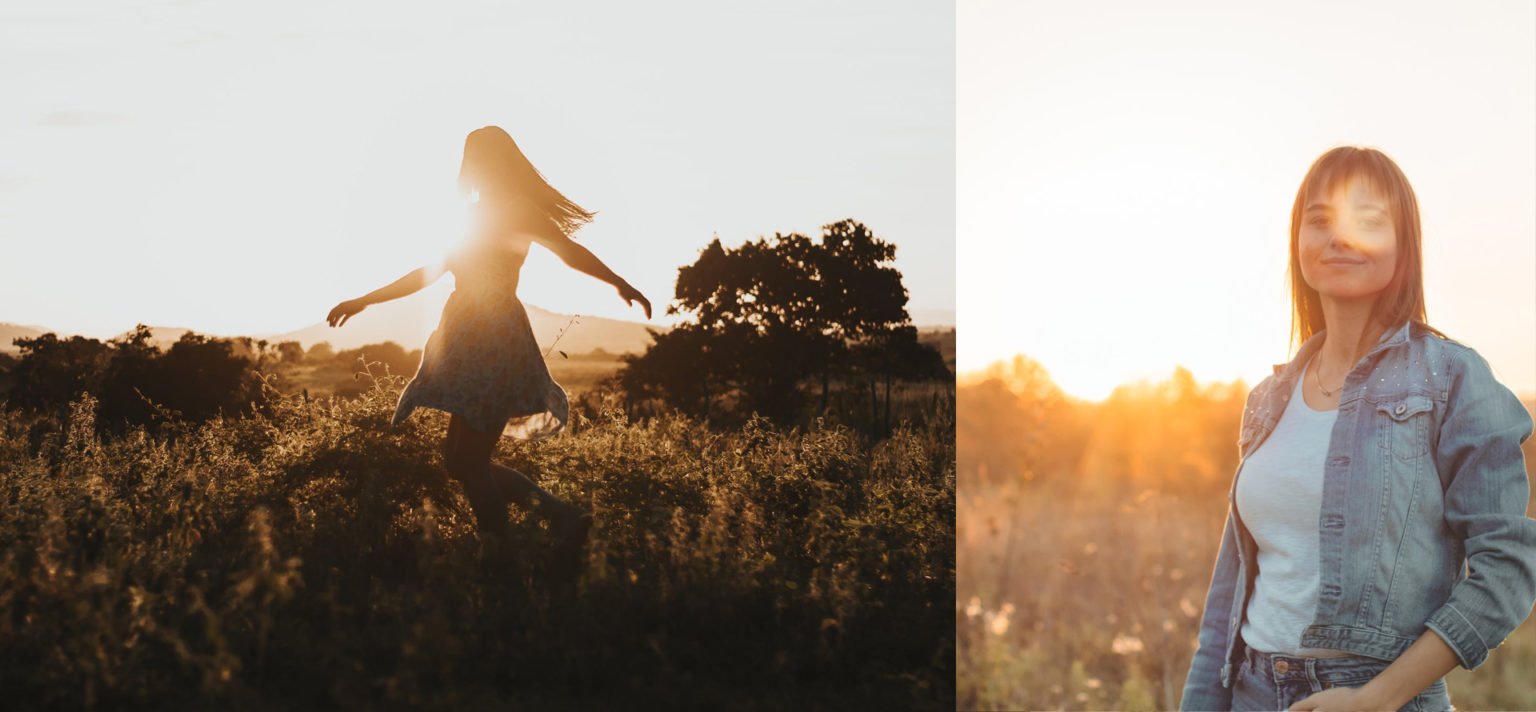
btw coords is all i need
(1275, 682)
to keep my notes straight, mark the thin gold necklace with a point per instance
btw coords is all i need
(1318, 376)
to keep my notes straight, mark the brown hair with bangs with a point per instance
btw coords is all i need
(1403, 297)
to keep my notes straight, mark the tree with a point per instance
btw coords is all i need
(769, 314)
(197, 377)
(203, 377)
(134, 368)
(670, 370)
(290, 352)
(321, 351)
(52, 371)
(891, 355)
(393, 356)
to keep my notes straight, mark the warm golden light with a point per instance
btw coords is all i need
(1124, 198)
(323, 165)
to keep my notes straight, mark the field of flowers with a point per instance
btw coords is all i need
(314, 557)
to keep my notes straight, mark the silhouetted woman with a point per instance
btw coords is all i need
(482, 364)
(1375, 464)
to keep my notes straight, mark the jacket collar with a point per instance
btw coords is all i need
(1389, 338)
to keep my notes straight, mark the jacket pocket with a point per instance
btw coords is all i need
(1404, 425)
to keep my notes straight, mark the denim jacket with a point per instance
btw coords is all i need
(1424, 475)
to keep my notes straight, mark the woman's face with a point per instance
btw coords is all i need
(1347, 242)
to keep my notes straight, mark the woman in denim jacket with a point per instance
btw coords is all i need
(1339, 583)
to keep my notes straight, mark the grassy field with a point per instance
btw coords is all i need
(313, 557)
(1085, 544)
(1102, 611)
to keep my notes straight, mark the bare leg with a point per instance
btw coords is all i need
(521, 490)
(490, 487)
(467, 452)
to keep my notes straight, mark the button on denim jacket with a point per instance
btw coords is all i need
(1424, 474)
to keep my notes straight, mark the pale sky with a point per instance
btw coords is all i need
(1125, 173)
(239, 168)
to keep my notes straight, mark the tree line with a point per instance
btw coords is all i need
(789, 328)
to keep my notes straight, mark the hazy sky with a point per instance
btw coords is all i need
(1125, 173)
(242, 167)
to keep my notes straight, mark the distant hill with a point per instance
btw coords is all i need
(11, 332)
(926, 319)
(409, 324)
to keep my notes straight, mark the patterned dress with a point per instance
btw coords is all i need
(482, 362)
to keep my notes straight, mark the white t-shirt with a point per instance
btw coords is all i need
(1279, 497)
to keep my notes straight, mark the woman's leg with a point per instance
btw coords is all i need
(524, 493)
(467, 454)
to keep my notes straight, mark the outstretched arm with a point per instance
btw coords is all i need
(581, 259)
(414, 281)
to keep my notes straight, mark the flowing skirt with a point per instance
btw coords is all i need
(483, 363)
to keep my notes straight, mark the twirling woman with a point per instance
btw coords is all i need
(482, 364)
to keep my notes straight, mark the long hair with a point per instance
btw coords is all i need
(1403, 297)
(494, 166)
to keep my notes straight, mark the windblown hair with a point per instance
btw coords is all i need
(1403, 298)
(495, 166)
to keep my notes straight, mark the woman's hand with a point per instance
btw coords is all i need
(1339, 699)
(630, 295)
(344, 311)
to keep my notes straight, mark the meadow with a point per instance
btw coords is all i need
(1085, 545)
(308, 555)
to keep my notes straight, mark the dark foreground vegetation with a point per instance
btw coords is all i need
(306, 555)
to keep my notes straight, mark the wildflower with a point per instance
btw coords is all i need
(998, 622)
(1126, 644)
(1188, 608)
(973, 609)
(998, 625)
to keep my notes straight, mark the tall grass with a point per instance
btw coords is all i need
(318, 558)
(1086, 539)
(1082, 595)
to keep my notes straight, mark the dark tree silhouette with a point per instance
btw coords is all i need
(290, 352)
(890, 356)
(860, 298)
(133, 369)
(321, 351)
(205, 377)
(52, 371)
(392, 355)
(197, 377)
(769, 314)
